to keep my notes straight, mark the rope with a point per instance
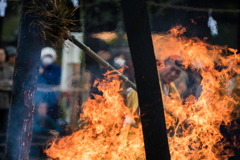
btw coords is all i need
(187, 8)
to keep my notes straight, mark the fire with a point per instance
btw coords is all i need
(202, 140)
(104, 136)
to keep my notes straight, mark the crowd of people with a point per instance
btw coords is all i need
(7, 58)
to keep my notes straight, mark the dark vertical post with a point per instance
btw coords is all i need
(1, 28)
(149, 93)
(238, 33)
(82, 20)
(20, 123)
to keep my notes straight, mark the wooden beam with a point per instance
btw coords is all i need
(146, 75)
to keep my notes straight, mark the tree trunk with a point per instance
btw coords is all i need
(20, 122)
(149, 93)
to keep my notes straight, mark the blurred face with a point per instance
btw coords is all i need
(42, 109)
(104, 55)
(170, 72)
(119, 62)
(11, 60)
(47, 60)
(2, 56)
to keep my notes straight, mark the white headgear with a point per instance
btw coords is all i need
(49, 51)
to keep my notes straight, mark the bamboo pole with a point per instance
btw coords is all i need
(92, 54)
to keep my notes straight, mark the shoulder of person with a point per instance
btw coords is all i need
(182, 78)
(8, 67)
(54, 67)
(173, 88)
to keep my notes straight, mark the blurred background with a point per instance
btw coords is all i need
(67, 75)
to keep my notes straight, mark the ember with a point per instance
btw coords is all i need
(104, 137)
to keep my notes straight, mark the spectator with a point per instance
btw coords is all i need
(12, 54)
(48, 72)
(45, 127)
(118, 60)
(49, 77)
(44, 124)
(121, 59)
(96, 70)
(6, 74)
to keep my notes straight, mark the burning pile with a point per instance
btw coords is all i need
(104, 137)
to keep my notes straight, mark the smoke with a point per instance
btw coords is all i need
(212, 24)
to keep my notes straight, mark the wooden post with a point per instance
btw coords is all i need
(1, 28)
(149, 94)
(20, 123)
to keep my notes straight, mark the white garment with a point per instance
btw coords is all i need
(212, 24)
(165, 89)
(230, 85)
(3, 5)
(75, 3)
(128, 120)
(47, 61)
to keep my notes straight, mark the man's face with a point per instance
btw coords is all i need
(170, 72)
(2, 56)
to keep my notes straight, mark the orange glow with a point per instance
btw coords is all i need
(106, 36)
(202, 139)
(104, 138)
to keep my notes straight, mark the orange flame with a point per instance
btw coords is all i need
(104, 137)
(202, 140)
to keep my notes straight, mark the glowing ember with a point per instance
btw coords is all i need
(104, 137)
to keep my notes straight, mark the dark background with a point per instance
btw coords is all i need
(105, 15)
